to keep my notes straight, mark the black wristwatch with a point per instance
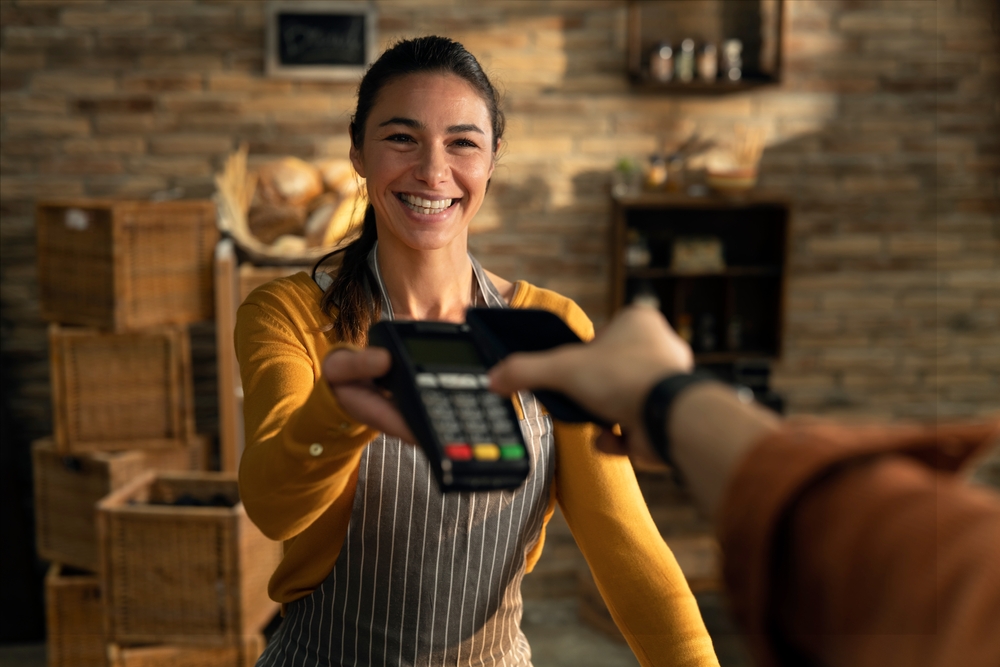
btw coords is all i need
(661, 398)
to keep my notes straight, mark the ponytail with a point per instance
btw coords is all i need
(349, 301)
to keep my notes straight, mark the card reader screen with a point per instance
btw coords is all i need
(451, 351)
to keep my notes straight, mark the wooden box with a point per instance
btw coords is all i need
(125, 265)
(183, 574)
(115, 391)
(74, 618)
(243, 653)
(67, 489)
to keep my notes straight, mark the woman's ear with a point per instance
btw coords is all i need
(355, 155)
(493, 162)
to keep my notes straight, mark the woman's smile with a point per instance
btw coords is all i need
(423, 206)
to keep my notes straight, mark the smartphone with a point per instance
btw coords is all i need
(503, 331)
(438, 382)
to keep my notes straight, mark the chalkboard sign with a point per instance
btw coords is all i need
(321, 40)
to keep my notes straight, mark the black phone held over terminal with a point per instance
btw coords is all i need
(507, 330)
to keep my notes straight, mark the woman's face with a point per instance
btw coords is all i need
(426, 158)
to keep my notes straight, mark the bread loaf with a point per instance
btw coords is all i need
(288, 181)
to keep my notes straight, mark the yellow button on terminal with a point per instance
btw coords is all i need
(486, 451)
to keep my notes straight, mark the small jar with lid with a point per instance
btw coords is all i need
(661, 62)
(708, 63)
(656, 173)
(685, 61)
(732, 59)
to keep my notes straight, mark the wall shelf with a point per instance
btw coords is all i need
(756, 23)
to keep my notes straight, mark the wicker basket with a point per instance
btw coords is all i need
(125, 265)
(121, 391)
(67, 488)
(235, 186)
(242, 654)
(193, 456)
(74, 618)
(182, 574)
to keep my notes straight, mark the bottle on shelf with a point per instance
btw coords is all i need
(645, 295)
(708, 63)
(685, 61)
(661, 62)
(734, 333)
(707, 341)
(656, 173)
(637, 253)
(684, 329)
(732, 59)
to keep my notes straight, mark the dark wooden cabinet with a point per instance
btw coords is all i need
(732, 312)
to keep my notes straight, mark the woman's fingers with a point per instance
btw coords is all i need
(350, 373)
(349, 365)
(369, 407)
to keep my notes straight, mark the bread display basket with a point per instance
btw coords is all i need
(289, 211)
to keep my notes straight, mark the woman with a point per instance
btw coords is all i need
(379, 566)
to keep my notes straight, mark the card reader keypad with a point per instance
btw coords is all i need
(473, 423)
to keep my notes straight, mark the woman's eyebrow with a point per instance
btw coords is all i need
(408, 122)
(417, 125)
(467, 127)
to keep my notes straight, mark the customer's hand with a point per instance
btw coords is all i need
(610, 376)
(350, 374)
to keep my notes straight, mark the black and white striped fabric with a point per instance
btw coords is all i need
(425, 578)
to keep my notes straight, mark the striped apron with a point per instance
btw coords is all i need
(425, 578)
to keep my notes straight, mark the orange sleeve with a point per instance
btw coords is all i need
(858, 546)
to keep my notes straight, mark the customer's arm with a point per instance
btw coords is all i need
(710, 429)
(860, 546)
(843, 546)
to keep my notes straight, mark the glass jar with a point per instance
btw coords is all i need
(732, 59)
(685, 61)
(708, 63)
(661, 63)
(656, 173)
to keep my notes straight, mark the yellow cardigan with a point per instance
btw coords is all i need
(299, 471)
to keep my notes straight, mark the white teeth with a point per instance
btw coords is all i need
(425, 206)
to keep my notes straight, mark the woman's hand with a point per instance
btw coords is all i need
(350, 374)
(610, 376)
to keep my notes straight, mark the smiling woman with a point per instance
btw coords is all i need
(379, 566)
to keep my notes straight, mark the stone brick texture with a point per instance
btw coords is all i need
(883, 135)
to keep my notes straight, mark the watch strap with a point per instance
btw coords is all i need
(658, 403)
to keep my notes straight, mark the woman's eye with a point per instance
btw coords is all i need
(401, 138)
(466, 143)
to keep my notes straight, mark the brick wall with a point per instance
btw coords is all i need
(884, 135)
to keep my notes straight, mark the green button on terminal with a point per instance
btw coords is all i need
(511, 450)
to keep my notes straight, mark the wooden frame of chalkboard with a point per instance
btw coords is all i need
(332, 39)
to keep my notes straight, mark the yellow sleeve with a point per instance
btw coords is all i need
(302, 449)
(636, 572)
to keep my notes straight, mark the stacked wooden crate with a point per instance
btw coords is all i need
(120, 282)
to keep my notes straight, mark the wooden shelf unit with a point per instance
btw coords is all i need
(233, 283)
(750, 289)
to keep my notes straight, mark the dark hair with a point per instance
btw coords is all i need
(351, 291)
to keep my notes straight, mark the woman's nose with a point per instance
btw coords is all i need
(432, 167)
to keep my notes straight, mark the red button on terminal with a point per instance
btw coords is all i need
(458, 451)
